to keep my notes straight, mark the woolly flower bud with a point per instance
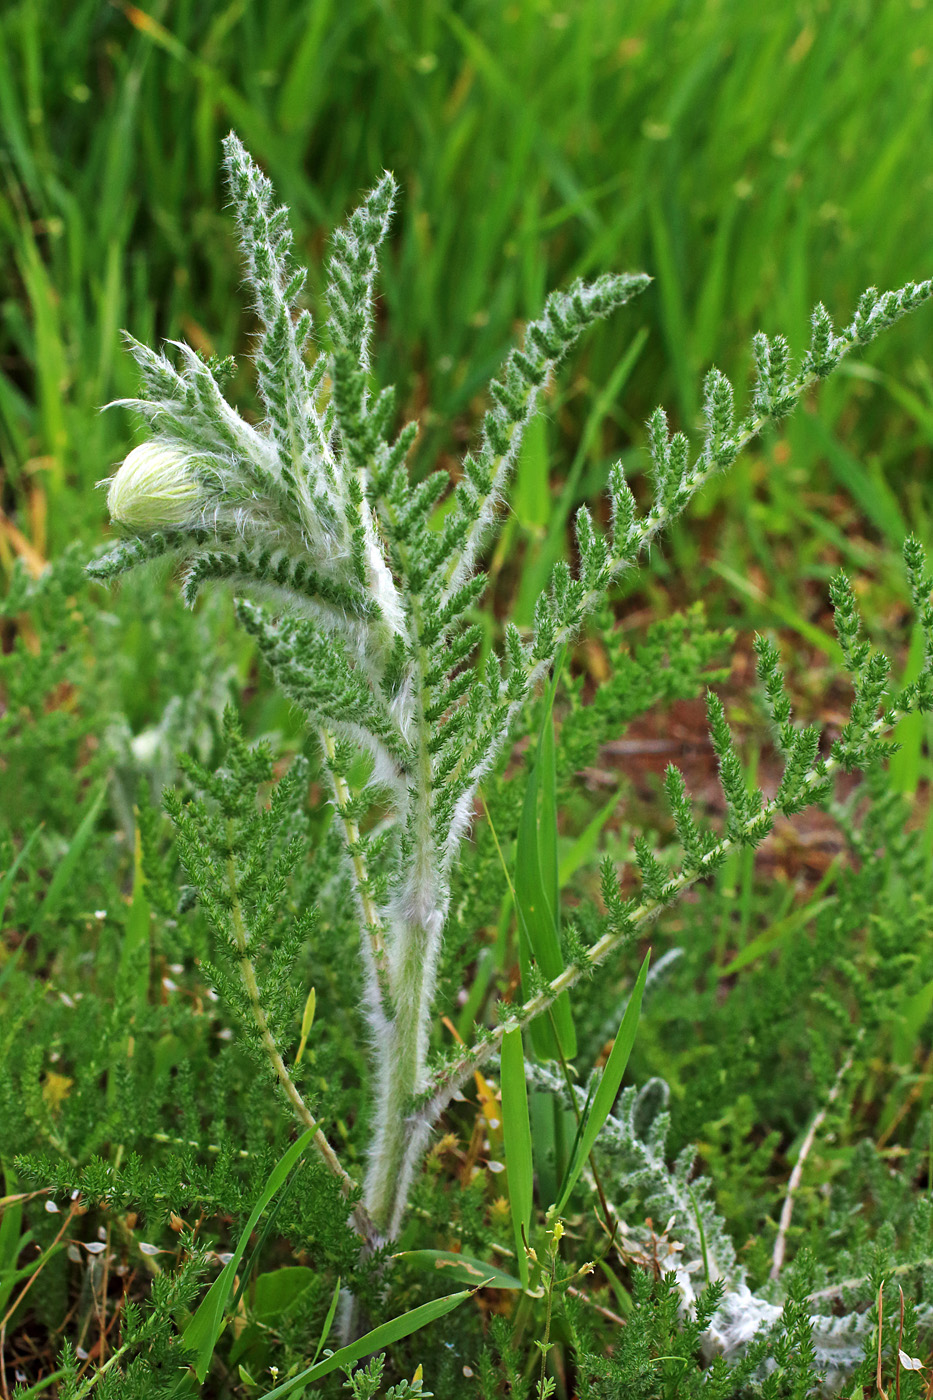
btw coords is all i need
(154, 486)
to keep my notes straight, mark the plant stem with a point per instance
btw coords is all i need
(796, 1176)
(401, 1044)
(546, 1344)
(401, 1064)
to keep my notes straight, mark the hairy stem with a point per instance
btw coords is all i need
(400, 1071)
(402, 1058)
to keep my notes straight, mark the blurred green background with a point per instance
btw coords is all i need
(753, 159)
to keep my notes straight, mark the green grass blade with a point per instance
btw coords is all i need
(778, 933)
(584, 849)
(609, 1085)
(516, 1133)
(203, 1331)
(253, 1259)
(328, 1322)
(12, 1243)
(907, 1021)
(863, 481)
(535, 921)
(784, 613)
(536, 890)
(536, 569)
(375, 1340)
(6, 883)
(134, 954)
(61, 880)
(531, 502)
(547, 818)
(905, 766)
(40, 1387)
(673, 313)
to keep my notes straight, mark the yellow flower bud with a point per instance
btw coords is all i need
(154, 486)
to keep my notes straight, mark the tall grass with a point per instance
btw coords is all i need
(745, 157)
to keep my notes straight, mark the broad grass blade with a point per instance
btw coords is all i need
(461, 1267)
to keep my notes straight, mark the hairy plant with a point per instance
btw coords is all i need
(360, 585)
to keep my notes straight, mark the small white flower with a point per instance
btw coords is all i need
(154, 486)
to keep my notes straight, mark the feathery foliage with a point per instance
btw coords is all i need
(361, 589)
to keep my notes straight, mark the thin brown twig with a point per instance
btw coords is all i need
(32, 1277)
(73, 1210)
(911, 1098)
(796, 1176)
(597, 1307)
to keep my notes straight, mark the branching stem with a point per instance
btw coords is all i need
(452, 1078)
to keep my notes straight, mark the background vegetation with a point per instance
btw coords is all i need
(753, 160)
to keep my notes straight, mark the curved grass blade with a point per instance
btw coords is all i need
(203, 1331)
(609, 1085)
(536, 890)
(328, 1322)
(6, 883)
(375, 1340)
(266, 1231)
(60, 881)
